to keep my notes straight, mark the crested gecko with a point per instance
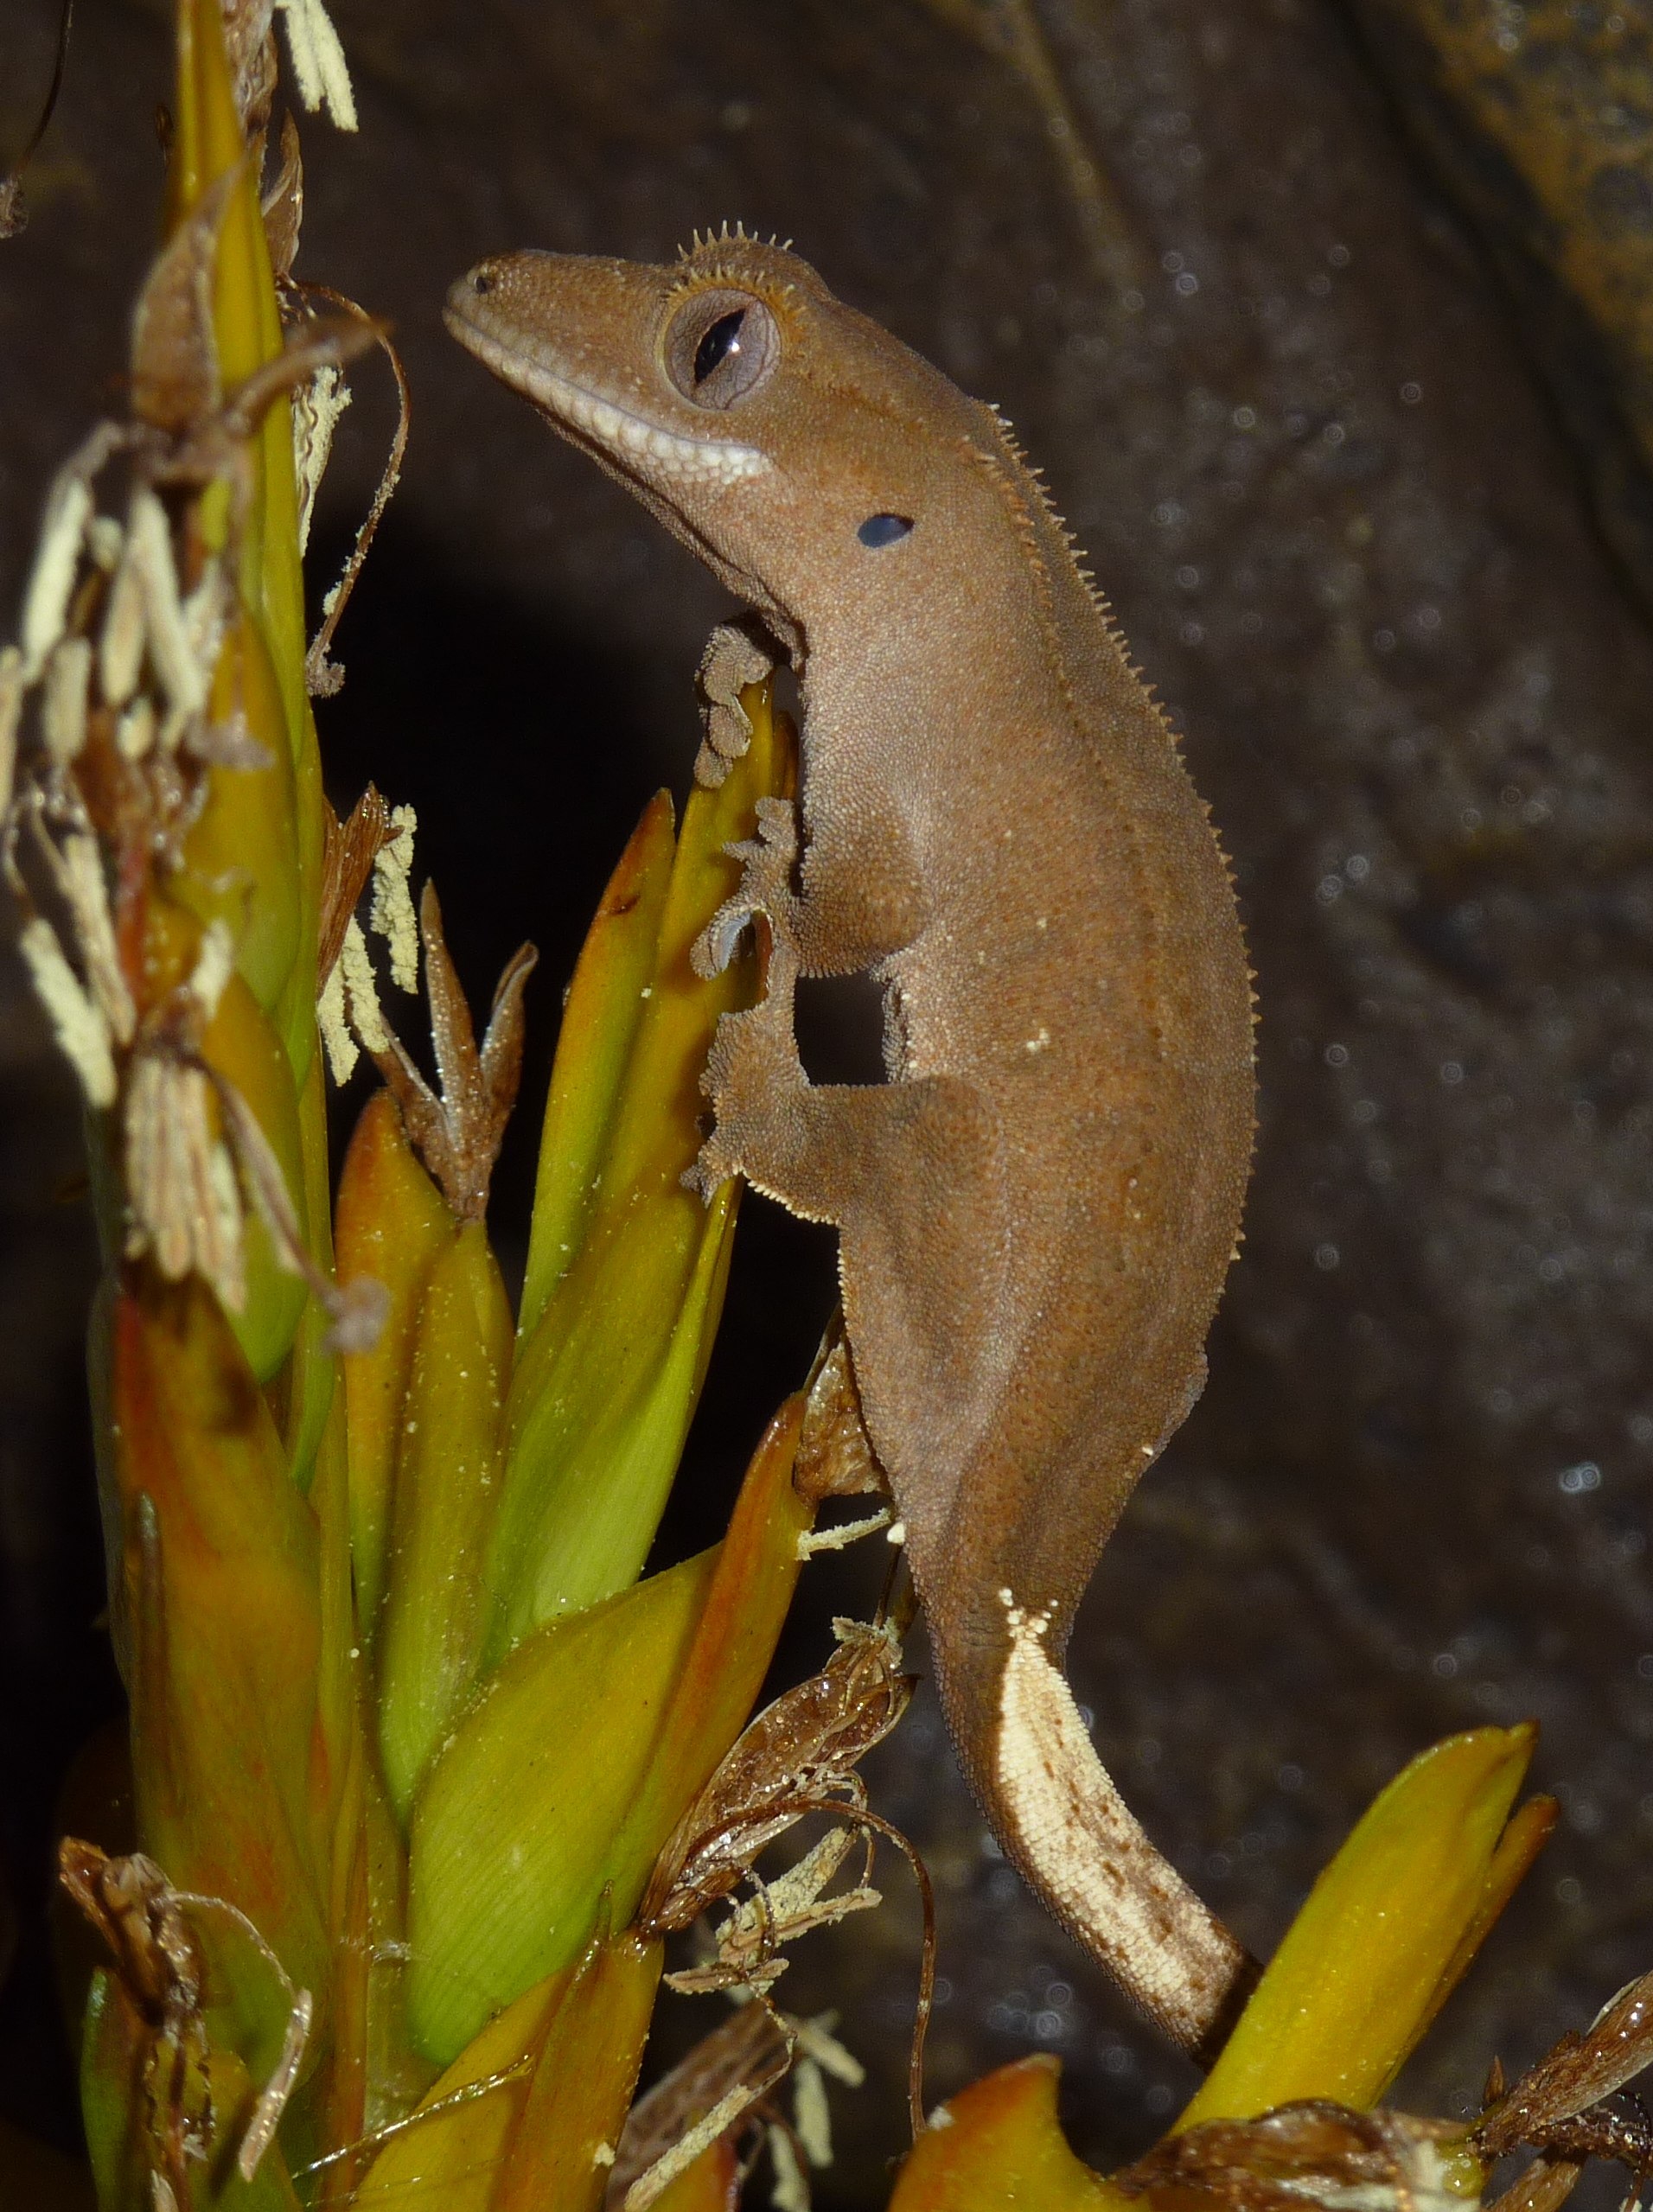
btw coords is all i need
(1037, 1210)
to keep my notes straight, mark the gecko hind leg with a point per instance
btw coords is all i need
(908, 1174)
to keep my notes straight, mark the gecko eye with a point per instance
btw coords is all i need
(722, 346)
(884, 529)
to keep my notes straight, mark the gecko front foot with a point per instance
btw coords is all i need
(768, 861)
(753, 1065)
(733, 659)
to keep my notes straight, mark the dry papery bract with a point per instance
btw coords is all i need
(796, 1758)
(457, 1129)
(723, 2087)
(1313, 2152)
(1572, 2105)
(1321, 2153)
(160, 1966)
(110, 728)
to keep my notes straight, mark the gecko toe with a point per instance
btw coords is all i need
(714, 949)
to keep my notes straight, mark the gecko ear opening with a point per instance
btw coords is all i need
(720, 346)
(884, 529)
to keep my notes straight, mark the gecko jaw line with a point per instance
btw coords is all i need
(685, 460)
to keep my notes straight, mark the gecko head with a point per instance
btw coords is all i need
(786, 437)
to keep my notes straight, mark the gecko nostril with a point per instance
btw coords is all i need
(481, 281)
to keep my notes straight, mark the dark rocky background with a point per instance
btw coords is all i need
(1329, 324)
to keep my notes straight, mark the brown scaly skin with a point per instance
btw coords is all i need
(1037, 1211)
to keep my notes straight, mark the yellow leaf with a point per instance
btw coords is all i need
(577, 2102)
(1385, 1933)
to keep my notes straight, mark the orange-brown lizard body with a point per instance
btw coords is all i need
(1037, 1210)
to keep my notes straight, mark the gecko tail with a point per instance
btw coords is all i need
(1070, 1835)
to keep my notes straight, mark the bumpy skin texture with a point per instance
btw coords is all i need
(1037, 1209)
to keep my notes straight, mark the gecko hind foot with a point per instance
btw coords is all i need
(718, 1159)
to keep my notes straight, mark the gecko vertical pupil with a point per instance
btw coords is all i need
(720, 347)
(721, 340)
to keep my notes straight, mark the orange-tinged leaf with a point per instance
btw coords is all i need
(1385, 1934)
(220, 1587)
(447, 1485)
(1000, 2145)
(751, 1589)
(565, 2143)
(711, 2184)
(528, 2115)
(454, 2144)
(392, 1222)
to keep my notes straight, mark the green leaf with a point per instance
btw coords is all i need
(447, 1488)
(576, 1763)
(617, 1330)
(511, 1837)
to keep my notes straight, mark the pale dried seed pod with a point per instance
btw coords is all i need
(317, 406)
(51, 583)
(134, 731)
(811, 2115)
(105, 540)
(121, 642)
(391, 915)
(207, 614)
(320, 71)
(171, 649)
(78, 872)
(63, 699)
(13, 691)
(181, 1182)
(78, 1025)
